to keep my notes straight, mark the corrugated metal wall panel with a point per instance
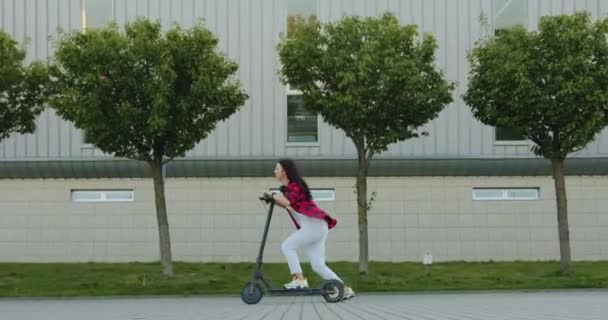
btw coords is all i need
(442, 126)
(248, 34)
(463, 42)
(452, 72)
(248, 31)
(35, 20)
(246, 75)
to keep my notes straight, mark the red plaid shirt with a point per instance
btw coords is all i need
(297, 200)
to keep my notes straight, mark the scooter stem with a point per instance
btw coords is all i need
(265, 235)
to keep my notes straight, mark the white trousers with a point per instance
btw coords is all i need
(311, 237)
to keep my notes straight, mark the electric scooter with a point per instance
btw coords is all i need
(252, 292)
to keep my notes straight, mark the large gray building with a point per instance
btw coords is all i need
(466, 192)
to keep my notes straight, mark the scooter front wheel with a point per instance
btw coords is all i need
(333, 291)
(251, 293)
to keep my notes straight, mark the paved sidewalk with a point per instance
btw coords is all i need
(553, 305)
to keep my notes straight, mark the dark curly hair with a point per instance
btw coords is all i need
(294, 176)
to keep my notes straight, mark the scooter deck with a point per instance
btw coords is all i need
(294, 292)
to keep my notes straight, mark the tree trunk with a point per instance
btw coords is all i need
(562, 215)
(362, 210)
(161, 216)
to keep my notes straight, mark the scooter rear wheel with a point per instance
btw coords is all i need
(333, 291)
(251, 295)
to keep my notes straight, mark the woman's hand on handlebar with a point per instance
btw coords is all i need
(266, 195)
(278, 198)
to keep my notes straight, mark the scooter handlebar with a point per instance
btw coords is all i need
(266, 198)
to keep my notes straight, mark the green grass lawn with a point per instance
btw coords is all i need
(111, 279)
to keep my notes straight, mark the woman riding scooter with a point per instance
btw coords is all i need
(313, 226)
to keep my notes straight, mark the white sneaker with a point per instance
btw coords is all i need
(296, 284)
(348, 293)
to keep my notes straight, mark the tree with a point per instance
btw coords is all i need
(145, 95)
(22, 89)
(293, 21)
(371, 78)
(551, 85)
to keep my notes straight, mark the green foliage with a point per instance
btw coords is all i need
(294, 21)
(141, 93)
(22, 89)
(550, 85)
(370, 77)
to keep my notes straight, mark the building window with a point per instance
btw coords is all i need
(323, 194)
(318, 195)
(102, 195)
(86, 141)
(489, 194)
(300, 11)
(302, 124)
(506, 134)
(96, 13)
(509, 13)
